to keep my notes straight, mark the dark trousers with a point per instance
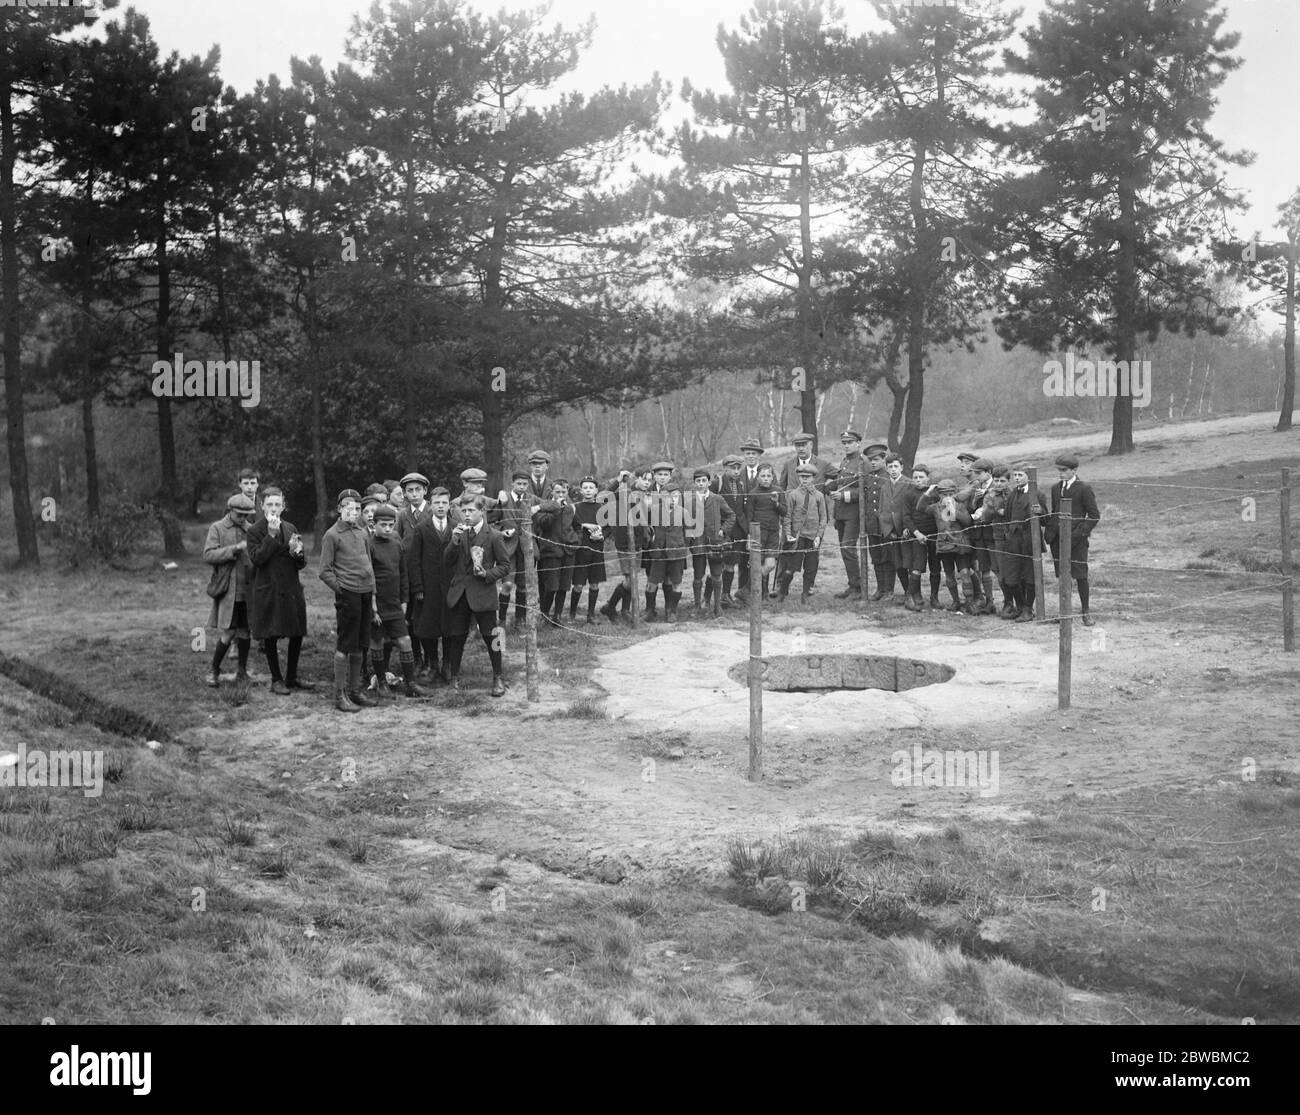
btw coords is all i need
(460, 619)
(804, 555)
(352, 621)
(847, 529)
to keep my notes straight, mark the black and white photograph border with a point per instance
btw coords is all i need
(715, 512)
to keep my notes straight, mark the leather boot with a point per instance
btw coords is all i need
(697, 590)
(355, 694)
(671, 596)
(934, 595)
(913, 602)
(783, 587)
(650, 596)
(341, 701)
(498, 686)
(955, 606)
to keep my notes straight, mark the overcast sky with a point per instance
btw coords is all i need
(634, 38)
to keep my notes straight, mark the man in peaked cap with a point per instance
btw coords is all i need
(1084, 518)
(841, 489)
(983, 559)
(870, 511)
(803, 455)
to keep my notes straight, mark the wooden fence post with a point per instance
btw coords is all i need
(755, 674)
(1065, 651)
(1036, 545)
(530, 615)
(1288, 596)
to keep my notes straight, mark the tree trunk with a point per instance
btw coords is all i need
(1288, 343)
(807, 355)
(92, 462)
(10, 309)
(318, 452)
(173, 543)
(238, 413)
(589, 420)
(1121, 434)
(409, 446)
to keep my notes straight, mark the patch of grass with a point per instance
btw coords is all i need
(584, 708)
(276, 864)
(79, 841)
(115, 767)
(138, 818)
(637, 903)
(444, 921)
(237, 833)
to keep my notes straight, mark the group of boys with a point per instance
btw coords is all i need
(414, 569)
(968, 532)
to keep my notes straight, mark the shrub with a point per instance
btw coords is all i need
(108, 537)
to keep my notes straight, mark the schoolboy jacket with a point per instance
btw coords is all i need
(1019, 523)
(710, 520)
(345, 558)
(392, 588)
(889, 519)
(480, 592)
(426, 572)
(553, 526)
(948, 525)
(1084, 515)
(733, 492)
(807, 514)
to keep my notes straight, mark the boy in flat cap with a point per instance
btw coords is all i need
(841, 488)
(769, 507)
(346, 568)
(709, 520)
(556, 542)
(628, 491)
(392, 591)
(803, 456)
(667, 550)
(1019, 557)
(808, 514)
(226, 550)
(750, 452)
(539, 461)
(731, 487)
(513, 512)
(890, 524)
(870, 511)
(476, 558)
(279, 608)
(429, 580)
(1084, 519)
(589, 557)
(971, 493)
(949, 521)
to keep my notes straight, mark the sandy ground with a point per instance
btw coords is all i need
(1165, 698)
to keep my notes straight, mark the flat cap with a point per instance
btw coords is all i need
(386, 511)
(850, 435)
(983, 464)
(240, 502)
(414, 478)
(946, 486)
(662, 466)
(371, 498)
(966, 457)
(807, 469)
(349, 493)
(1066, 461)
(520, 474)
(704, 472)
(473, 476)
(1021, 466)
(802, 439)
(539, 457)
(733, 459)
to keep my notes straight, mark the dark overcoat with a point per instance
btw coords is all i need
(277, 608)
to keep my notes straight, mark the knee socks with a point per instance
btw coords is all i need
(272, 658)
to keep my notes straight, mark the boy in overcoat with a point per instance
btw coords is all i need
(279, 608)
